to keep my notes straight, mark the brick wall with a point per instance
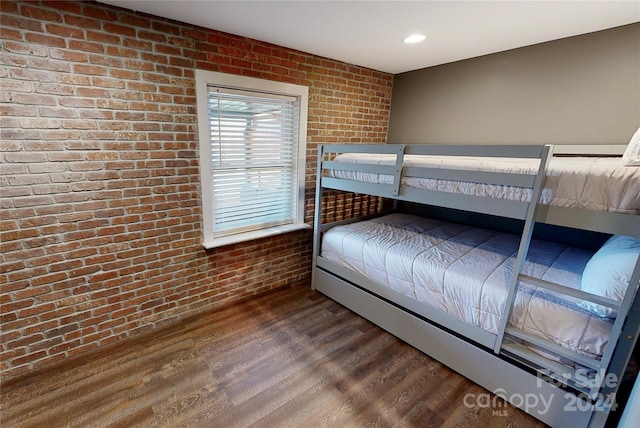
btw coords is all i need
(100, 216)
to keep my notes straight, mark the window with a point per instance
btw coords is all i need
(252, 135)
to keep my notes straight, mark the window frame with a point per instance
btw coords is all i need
(204, 79)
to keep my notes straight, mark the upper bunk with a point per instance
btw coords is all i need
(583, 187)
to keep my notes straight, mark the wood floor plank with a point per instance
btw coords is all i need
(407, 381)
(321, 371)
(289, 358)
(325, 373)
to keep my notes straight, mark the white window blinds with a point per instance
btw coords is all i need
(254, 142)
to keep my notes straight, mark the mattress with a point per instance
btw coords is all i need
(597, 184)
(464, 272)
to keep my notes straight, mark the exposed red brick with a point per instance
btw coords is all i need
(100, 13)
(40, 14)
(44, 40)
(101, 229)
(100, 37)
(119, 29)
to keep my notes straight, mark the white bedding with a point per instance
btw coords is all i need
(598, 184)
(464, 271)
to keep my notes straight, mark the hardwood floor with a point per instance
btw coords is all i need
(289, 358)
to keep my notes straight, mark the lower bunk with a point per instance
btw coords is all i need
(441, 287)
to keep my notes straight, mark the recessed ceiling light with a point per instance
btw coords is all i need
(414, 38)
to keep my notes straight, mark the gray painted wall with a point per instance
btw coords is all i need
(578, 90)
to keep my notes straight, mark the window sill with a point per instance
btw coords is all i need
(257, 234)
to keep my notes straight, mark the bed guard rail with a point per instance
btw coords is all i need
(383, 172)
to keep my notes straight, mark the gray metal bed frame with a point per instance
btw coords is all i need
(552, 392)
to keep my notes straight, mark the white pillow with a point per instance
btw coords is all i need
(631, 156)
(608, 272)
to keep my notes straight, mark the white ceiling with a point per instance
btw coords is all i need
(370, 33)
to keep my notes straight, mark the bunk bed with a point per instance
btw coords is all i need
(528, 319)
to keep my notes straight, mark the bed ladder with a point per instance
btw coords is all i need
(523, 248)
(591, 373)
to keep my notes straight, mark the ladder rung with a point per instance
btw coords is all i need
(569, 291)
(555, 370)
(555, 348)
